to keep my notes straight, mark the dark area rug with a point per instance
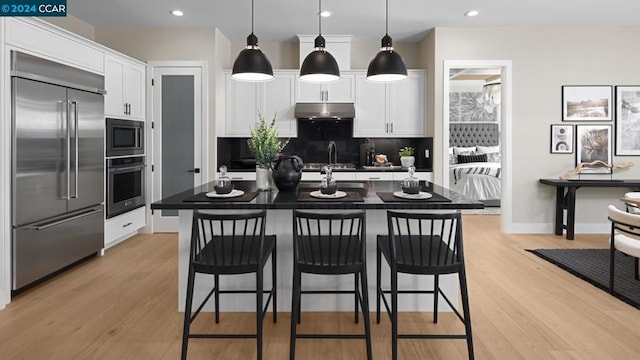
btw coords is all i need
(592, 265)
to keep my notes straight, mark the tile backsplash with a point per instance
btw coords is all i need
(313, 140)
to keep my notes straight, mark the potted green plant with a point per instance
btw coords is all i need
(406, 156)
(265, 145)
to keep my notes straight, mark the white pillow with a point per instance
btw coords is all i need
(488, 149)
(463, 150)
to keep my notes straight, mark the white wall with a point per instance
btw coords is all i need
(544, 59)
(73, 24)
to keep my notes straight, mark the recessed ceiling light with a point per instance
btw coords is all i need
(177, 12)
(325, 13)
(472, 13)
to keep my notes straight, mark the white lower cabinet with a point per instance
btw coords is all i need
(375, 176)
(339, 176)
(242, 175)
(391, 176)
(123, 226)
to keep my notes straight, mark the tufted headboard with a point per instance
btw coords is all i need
(470, 134)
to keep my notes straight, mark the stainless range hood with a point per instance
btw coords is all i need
(328, 111)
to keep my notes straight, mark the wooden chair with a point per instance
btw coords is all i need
(422, 244)
(224, 245)
(330, 244)
(625, 237)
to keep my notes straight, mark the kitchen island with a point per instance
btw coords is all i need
(279, 206)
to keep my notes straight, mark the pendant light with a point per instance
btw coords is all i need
(252, 64)
(387, 65)
(319, 66)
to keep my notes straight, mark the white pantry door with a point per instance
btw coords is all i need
(179, 134)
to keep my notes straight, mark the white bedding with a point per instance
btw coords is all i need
(479, 181)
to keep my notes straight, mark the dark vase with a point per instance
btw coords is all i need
(287, 172)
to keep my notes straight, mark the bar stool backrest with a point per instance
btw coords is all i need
(425, 239)
(227, 239)
(329, 239)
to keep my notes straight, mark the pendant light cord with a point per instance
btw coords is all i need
(252, 16)
(319, 17)
(386, 30)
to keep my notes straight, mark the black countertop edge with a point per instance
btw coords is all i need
(358, 169)
(274, 200)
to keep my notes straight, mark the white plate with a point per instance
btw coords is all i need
(337, 195)
(421, 195)
(233, 193)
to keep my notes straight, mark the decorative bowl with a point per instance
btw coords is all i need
(223, 189)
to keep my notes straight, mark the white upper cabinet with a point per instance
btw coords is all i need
(407, 106)
(390, 110)
(41, 38)
(371, 108)
(125, 85)
(342, 90)
(278, 98)
(244, 100)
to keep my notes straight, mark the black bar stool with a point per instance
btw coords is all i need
(230, 244)
(423, 244)
(330, 244)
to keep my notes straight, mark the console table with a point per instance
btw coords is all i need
(566, 198)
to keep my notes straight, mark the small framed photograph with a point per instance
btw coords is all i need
(627, 120)
(593, 144)
(562, 139)
(587, 103)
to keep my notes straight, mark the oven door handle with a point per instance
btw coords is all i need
(127, 168)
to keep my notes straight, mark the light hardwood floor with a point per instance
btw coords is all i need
(123, 306)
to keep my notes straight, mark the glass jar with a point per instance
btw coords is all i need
(328, 183)
(411, 184)
(222, 185)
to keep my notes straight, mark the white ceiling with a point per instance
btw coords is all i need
(409, 20)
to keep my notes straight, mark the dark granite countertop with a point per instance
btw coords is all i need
(289, 200)
(357, 169)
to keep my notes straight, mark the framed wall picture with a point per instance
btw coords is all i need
(627, 120)
(562, 139)
(593, 143)
(587, 103)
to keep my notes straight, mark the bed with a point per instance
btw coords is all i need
(475, 161)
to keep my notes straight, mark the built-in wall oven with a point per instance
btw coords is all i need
(124, 137)
(125, 184)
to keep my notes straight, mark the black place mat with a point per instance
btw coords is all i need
(388, 196)
(202, 197)
(351, 196)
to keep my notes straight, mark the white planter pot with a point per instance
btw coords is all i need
(407, 161)
(263, 179)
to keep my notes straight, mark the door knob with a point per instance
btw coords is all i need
(196, 170)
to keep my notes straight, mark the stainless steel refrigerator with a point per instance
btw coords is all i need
(57, 166)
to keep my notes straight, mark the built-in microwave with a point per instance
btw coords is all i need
(124, 137)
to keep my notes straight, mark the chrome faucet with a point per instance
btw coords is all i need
(330, 148)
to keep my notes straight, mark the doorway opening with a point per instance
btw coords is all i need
(476, 132)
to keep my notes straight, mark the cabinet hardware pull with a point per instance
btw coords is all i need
(391, 127)
(127, 224)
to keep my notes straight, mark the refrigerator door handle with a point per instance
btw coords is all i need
(68, 195)
(75, 134)
(58, 222)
